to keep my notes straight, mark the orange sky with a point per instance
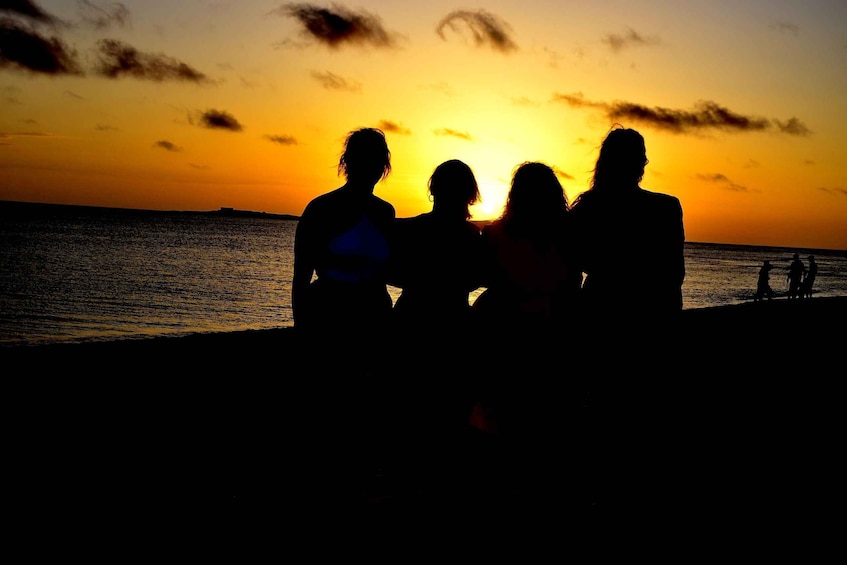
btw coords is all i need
(195, 105)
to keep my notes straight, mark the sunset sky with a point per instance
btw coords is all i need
(196, 105)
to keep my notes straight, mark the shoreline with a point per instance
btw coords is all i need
(810, 316)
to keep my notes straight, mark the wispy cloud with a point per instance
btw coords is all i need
(785, 27)
(722, 180)
(22, 48)
(453, 133)
(332, 81)
(103, 17)
(27, 9)
(705, 115)
(119, 59)
(389, 126)
(167, 146)
(282, 139)
(561, 174)
(11, 135)
(217, 119)
(836, 191)
(618, 42)
(486, 29)
(338, 26)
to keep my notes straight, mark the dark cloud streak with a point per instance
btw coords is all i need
(219, 119)
(338, 26)
(619, 42)
(706, 115)
(282, 139)
(389, 126)
(167, 146)
(332, 81)
(25, 49)
(722, 179)
(28, 10)
(118, 59)
(486, 29)
(453, 133)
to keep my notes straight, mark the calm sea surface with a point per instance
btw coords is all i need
(72, 274)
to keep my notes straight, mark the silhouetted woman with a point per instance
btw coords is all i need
(530, 276)
(630, 243)
(630, 240)
(527, 317)
(342, 241)
(796, 272)
(763, 284)
(435, 255)
(341, 309)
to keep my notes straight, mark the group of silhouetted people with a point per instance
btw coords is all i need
(801, 280)
(568, 293)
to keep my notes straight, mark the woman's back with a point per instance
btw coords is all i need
(528, 267)
(435, 265)
(630, 241)
(527, 281)
(631, 248)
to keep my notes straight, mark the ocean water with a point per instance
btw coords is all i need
(76, 274)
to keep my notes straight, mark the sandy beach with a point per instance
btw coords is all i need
(215, 428)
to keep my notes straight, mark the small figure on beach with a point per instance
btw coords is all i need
(763, 285)
(796, 271)
(809, 280)
(630, 240)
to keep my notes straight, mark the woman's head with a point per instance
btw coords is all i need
(535, 195)
(366, 157)
(620, 165)
(453, 188)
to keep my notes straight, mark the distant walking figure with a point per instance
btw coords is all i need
(763, 285)
(809, 279)
(795, 277)
(630, 241)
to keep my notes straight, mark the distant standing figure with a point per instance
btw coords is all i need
(809, 279)
(763, 285)
(630, 240)
(795, 277)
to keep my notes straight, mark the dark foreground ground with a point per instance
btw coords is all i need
(222, 439)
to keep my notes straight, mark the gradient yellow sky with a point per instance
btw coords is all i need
(195, 105)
